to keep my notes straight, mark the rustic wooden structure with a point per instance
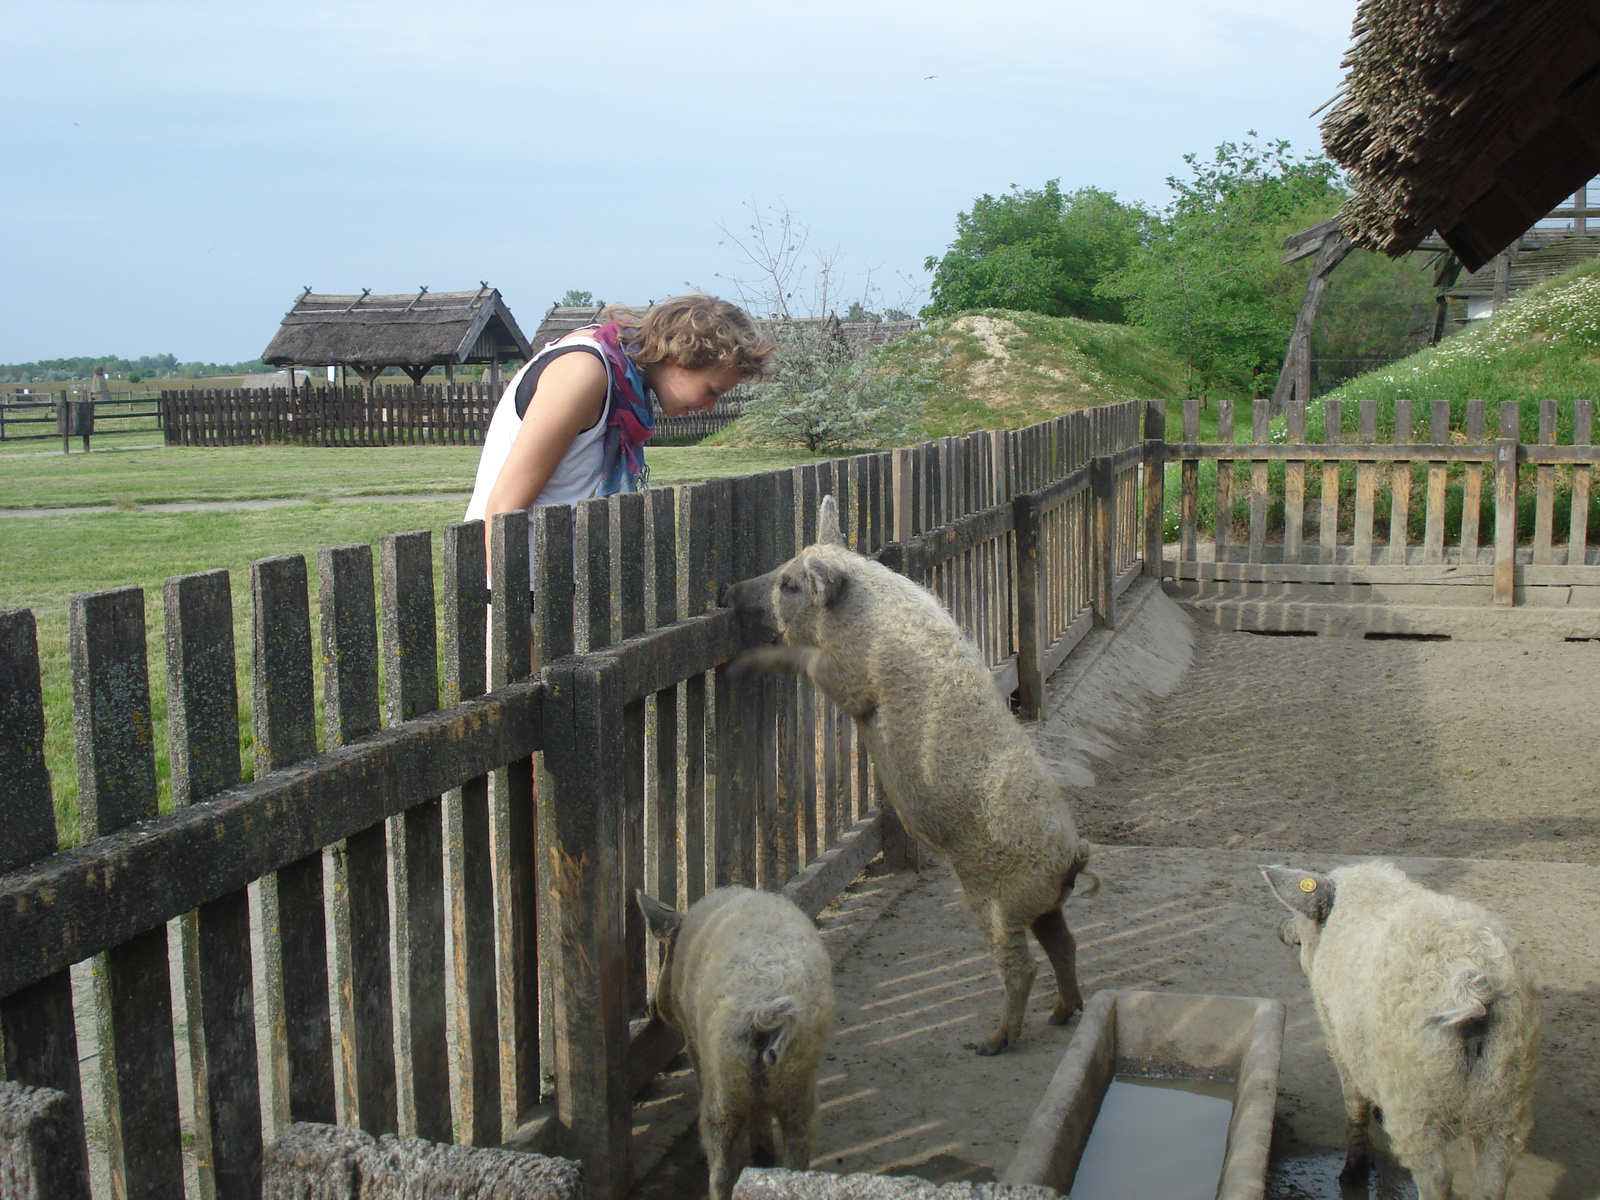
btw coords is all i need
(453, 414)
(1472, 119)
(416, 333)
(1331, 247)
(1339, 548)
(411, 893)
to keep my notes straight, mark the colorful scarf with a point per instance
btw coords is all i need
(631, 421)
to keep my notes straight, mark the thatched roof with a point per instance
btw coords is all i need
(562, 319)
(418, 330)
(1471, 117)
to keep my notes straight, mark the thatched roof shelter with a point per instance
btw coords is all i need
(413, 332)
(1471, 117)
(562, 319)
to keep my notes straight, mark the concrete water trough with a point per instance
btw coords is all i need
(1214, 1063)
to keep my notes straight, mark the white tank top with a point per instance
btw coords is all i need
(579, 473)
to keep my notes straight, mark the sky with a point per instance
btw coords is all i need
(180, 170)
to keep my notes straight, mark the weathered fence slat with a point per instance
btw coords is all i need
(416, 852)
(1400, 487)
(37, 1033)
(1189, 513)
(116, 788)
(363, 985)
(1578, 531)
(1366, 486)
(1433, 532)
(664, 847)
(626, 588)
(1260, 434)
(203, 724)
(1472, 488)
(469, 868)
(1328, 527)
(1505, 505)
(1544, 488)
(511, 796)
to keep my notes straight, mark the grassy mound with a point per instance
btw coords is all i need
(1544, 345)
(997, 369)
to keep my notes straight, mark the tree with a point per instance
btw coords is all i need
(1042, 251)
(1208, 281)
(822, 391)
(577, 299)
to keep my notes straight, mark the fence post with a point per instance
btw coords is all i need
(1505, 506)
(583, 740)
(1030, 648)
(899, 848)
(1103, 558)
(1155, 485)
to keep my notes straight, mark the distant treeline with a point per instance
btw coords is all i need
(151, 366)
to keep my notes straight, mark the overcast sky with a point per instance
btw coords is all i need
(178, 171)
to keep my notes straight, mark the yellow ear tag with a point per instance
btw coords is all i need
(1308, 885)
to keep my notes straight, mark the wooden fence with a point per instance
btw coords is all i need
(1317, 519)
(403, 415)
(396, 887)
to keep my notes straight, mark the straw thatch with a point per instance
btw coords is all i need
(414, 332)
(1471, 117)
(560, 320)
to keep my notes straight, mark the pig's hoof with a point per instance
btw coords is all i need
(993, 1044)
(1063, 1013)
(1355, 1170)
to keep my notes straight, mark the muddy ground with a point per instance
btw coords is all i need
(1476, 763)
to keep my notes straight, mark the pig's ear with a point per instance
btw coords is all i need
(663, 921)
(827, 582)
(828, 522)
(1303, 892)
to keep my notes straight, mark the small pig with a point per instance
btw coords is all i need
(1428, 1013)
(964, 778)
(749, 984)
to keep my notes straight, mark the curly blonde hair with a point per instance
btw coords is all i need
(693, 332)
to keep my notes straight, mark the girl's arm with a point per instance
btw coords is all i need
(569, 399)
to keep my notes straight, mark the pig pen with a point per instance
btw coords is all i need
(1201, 753)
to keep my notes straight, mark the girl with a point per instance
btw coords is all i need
(572, 423)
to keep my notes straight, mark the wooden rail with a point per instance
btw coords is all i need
(446, 945)
(1333, 534)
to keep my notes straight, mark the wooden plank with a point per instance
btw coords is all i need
(1582, 477)
(1377, 452)
(203, 728)
(511, 809)
(1400, 487)
(1472, 487)
(38, 1037)
(1223, 522)
(592, 609)
(116, 789)
(663, 795)
(788, 751)
(1294, 484)
(807, 753)
(1105, 538)
(1544, 488)
(592, 1095)
(469, 865)
(416, 844)
(697, 516)
(1334, 573)
(1328, 528)
(1030, 642)
(1366, 486)
(363, 988)
(1260, 433)
(1190, 471)
(1155, 478)
(1434, 518)
(829, 874)
(1505, 506)
(626, 563)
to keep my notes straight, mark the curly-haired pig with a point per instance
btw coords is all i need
(749, 984)
(1429, 1014)
(964, 778)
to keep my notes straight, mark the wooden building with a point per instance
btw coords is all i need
(368, 334)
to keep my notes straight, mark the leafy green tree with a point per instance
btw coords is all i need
(824, 393)
(576, 299)
(1041, 250)
(1208, 281)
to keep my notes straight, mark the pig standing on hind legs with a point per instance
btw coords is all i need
(958, 769)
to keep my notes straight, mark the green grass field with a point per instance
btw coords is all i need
(49, 559)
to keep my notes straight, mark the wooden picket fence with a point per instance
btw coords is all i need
(1440, 487)
(397, 886)
(387, 415)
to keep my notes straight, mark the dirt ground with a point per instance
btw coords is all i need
(1475, 764)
